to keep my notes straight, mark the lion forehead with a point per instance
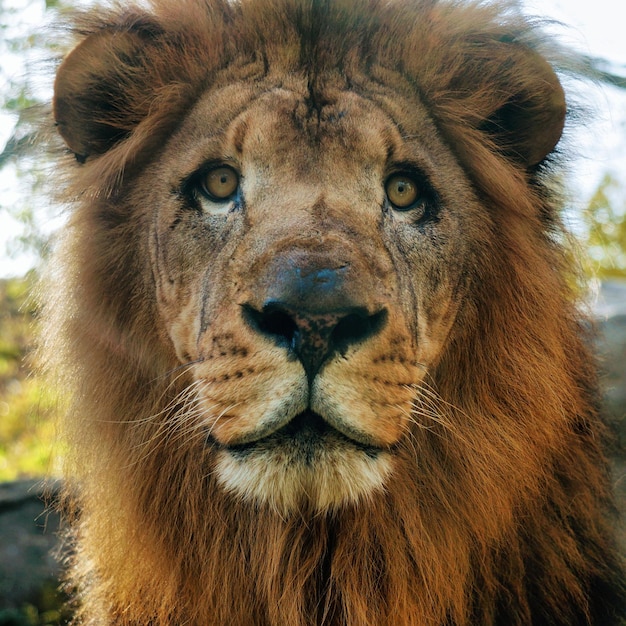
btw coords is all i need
(356, 136)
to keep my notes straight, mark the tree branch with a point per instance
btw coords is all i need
(17, 147)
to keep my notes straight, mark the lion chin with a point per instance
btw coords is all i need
(306, 464)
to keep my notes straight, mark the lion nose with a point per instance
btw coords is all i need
(312, 313)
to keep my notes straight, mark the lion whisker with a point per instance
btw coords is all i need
(430, 405)
(220, 416)
(182, 368)
(164, 426)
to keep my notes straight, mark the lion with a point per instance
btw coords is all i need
(315, 312)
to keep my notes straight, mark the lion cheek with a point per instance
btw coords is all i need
(183, 329)
(178, 312)
(434, 325)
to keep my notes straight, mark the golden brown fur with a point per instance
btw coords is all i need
(456, 476)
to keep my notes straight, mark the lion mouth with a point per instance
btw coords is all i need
(304, 436)
(306, 463)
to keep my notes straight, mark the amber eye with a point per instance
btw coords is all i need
(220, 183)
(402, 191)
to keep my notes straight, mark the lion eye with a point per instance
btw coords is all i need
(402, 191)
(220, 183)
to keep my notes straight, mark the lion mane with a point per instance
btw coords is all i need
(314, 310)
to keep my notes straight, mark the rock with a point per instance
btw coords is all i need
(28, 533)
(610, 310)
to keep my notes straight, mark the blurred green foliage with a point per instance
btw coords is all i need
(605, 222)
(27, 406)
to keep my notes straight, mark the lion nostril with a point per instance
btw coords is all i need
(273, 322)
(279, 324)
(357, 327)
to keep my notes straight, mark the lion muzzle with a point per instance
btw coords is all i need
(311, 310)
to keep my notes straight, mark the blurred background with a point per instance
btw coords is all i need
(595, 212)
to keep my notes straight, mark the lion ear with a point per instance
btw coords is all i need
(95, 92)
(529, 125)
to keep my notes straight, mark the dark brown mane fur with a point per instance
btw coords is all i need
(501, 514)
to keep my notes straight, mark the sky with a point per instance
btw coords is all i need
(596, 27)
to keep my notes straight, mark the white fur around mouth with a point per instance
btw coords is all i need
(313, 469)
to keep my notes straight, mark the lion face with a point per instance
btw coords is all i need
(309, 264)
(299, 232)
